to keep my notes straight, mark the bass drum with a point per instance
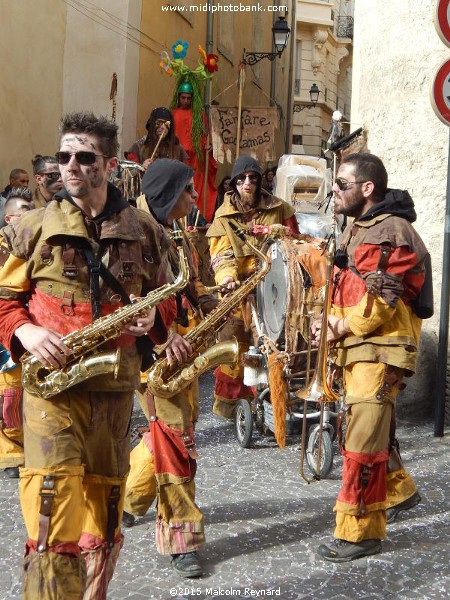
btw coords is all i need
(292, 290)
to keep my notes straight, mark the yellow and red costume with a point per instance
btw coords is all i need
(77, 442)
(231, 257)
(375, 292)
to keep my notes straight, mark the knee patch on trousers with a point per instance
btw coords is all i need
(42, 571)
(104, 505)
(65, 493)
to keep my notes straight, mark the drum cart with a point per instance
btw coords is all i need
(287, 300)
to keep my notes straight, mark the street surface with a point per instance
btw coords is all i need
(263, 524)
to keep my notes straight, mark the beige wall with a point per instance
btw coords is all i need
(31, 50)
(396, 55)
(97, 46)
(232, 33)
(56, 59)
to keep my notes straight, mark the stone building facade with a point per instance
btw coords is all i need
(396, 53)
(323, 55)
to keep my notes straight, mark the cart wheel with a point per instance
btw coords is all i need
(326, 454)
(243, 421)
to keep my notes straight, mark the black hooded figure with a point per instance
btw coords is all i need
(169, 147)
(162, 184)
(179, 521)
(245, 164)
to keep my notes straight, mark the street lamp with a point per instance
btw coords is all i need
(280, 32)
(314, 95)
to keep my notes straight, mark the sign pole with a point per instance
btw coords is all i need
(439, 417)
(440, 100)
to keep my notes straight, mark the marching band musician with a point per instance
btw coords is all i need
(18, 202)
(163, 464)
(232, 261)
(77, 442)
(157, 131)
(375, 322)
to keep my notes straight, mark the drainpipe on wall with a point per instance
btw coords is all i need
(289, 107)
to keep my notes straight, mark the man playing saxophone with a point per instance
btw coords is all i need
(233, 261)
(74, 261)
(375, 323)
(163, 464)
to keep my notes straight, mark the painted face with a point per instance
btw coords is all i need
(82, 180)
(226, 185)
(22, 180)
(246, 183)
(49, 179)
(350, 202)
(185, 100)
(185, 202)
(160, 127)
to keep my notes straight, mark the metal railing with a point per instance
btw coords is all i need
(344, 27)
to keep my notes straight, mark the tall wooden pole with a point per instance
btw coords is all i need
(241, 90)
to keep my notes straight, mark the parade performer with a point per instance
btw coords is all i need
(160, 141)
(68, 260)
(190, 120)
(18, 202)
(48, 178)
(163, 464)
(232, 261)
(375, 320)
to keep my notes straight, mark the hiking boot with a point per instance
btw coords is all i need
(12, 472)
(342, 551)
(187, 565)
(393, 512)
(128, 520)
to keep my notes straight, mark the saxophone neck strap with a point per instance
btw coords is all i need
(96, 270)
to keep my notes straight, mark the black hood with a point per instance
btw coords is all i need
(163, 182)
(244, 164)
(396, 202)
(115, 202)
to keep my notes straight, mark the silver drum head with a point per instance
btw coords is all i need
(272, 294)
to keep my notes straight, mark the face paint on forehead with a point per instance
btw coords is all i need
(74, 141)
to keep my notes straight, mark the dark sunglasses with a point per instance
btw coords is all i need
(190, 187)
(345, 185)
(252, 178)
(54, 176)
(82, 157)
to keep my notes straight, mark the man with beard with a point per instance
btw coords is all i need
(48, 178)
(374, 323)
(233, 261)
(71, 262)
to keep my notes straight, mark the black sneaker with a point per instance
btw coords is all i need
(12, 472)
(393, 512)
(187, 565)
(128, 520)
(343, 551)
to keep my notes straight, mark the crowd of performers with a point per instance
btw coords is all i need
(85, 252)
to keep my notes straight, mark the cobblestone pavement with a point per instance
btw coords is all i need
(263, 524)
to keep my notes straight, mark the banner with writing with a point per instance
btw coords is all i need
(258, 127)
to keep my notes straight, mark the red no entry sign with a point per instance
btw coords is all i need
(440, 93)
(442, 20)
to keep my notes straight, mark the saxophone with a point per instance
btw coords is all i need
(83, 363)
(166, 380)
